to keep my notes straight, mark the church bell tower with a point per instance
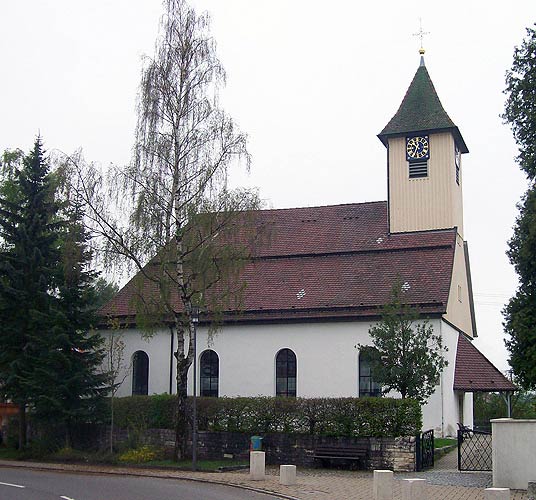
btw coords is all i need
(424, 149)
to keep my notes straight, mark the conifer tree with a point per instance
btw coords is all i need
(29, 259)
(520, 312)
(49, 357)
(70, 387)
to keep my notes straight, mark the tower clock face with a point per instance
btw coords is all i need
(417, 148)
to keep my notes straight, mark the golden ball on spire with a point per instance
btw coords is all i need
(421, 51)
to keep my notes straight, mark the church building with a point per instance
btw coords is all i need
(317, 286)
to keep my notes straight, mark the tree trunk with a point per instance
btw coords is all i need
(181, 422)
(22, 427)
(68, 435)
(112, 424)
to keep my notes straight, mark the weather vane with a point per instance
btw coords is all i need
(421, 34)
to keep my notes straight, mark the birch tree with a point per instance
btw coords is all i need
(175, 220)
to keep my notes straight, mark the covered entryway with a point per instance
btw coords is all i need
(475, 373)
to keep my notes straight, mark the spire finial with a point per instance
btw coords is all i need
(421, 34)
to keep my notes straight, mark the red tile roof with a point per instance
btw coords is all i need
(334, 261)
(475, 373)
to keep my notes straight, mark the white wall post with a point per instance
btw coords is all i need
(531, 490)
(257, 465)
(383, 485)
(287, 475)
(514, 442)
(414, 489)
(497, 494)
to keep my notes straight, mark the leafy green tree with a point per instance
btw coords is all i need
(29, 261)
(182, 224)
(409, 355)
(10, 162)
(520, 312)
(104, 292)
(489, 405)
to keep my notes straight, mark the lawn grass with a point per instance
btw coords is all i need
(202, 465)
(10, 454)
(104, 458)
(441, 442)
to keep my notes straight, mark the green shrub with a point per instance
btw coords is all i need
(143, 412)
(139, 455)
(67, 454)
(357, 417)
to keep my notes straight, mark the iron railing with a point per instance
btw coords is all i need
(424, 449)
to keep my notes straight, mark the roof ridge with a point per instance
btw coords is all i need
(352, 252)
(320, 206)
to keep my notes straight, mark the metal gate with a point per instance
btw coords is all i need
(424, 450)
(474, 450)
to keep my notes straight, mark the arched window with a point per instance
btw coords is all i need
(209, 374)
(367, 386)
(140, 374)
(285, 373)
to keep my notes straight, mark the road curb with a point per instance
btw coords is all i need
(137, 473)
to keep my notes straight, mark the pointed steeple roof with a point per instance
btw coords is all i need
(421, 111)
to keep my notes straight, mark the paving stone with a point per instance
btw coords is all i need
(311, 484)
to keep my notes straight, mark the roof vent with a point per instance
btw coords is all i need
(406, 286)
(301, 294)
(379, 240)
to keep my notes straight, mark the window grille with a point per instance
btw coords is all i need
(367, 386)
(285, 373)
(140, 374)
(209, 374)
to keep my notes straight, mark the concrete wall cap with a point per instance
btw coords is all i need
(513, 421)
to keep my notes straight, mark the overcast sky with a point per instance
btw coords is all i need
(310, 82)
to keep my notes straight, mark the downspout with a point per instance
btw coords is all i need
(172, 337)
(441, 383)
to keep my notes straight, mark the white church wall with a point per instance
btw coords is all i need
(325, 354)
(450, 405)
(327, 362)
(157, 348)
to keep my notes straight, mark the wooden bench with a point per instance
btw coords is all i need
(355, 452)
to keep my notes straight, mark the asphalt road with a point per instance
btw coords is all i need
(24, 484)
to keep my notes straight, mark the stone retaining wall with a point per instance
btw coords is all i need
(396, 454)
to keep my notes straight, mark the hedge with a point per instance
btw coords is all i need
(356, 417)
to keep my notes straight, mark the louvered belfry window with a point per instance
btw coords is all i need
(418, 169)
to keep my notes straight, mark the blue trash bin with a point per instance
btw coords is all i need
(256, 443)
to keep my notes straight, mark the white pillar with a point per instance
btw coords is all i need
(256, 465)
(383, 485)
(287, 474)
(413, 489)
(531, 490)
(497, 494)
